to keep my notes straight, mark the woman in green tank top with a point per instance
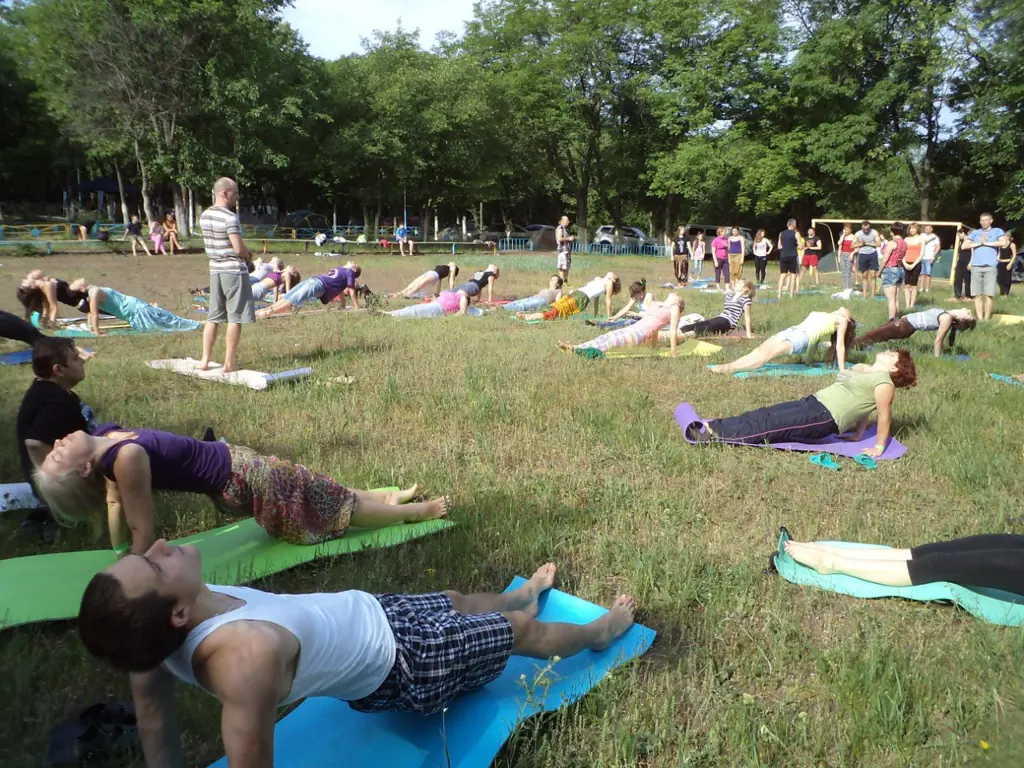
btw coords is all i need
(861, 395)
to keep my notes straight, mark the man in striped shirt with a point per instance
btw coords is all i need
(230, 290)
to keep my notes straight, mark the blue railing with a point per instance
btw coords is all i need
(515, 244)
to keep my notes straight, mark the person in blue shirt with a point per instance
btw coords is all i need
(984, 245)
(402, 236)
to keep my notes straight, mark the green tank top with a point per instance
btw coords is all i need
(852, 397)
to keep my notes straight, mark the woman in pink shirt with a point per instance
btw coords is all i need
(720, 249)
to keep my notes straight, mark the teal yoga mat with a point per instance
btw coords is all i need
(1007, 379)
(50, 587)
(787, 369)
(472, 729)
(991, 605)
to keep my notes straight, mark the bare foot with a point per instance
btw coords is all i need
(717, 369)
(565, 346)
(400, 497)
(204, 365)
(615, 623)
(428, 510)
(809, 555)
(541, 581)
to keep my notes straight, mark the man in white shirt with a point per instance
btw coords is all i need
(153, 616)
(931, 245)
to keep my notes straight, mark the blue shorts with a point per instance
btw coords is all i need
(867, 262)
(926, 267)
(800, 340)
(892, 276)
(306, 291)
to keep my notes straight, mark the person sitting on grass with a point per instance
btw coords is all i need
(430, 281)
(154, 617)
(579, 300)
(738, 299)
(941, 321)
(800, 339)
(992, 561)
(540, 300)
(125, 466)
(38, 293)
(326, 287)
(861, 395)
(142, 317)
(655, 316)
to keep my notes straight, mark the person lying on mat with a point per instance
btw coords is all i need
(656, 316)
(860, 396)
(738, 299)
(137, 313)
(993, 561)
(125, 466)
(475, 285)
(155, 618)
(326, 287)
(540, 300)
(38, 293)
(430, 281)
(941, 321)
(799, 340)
(286, 278)
(578, 301)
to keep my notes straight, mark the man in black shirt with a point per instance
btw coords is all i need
(50, 410)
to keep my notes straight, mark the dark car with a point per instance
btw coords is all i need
(307, 224)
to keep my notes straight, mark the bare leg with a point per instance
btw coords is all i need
(375, 514)
(765, 353)
(280, 307)
(523, 599)
(815, 271)
(209, 339)
(892, 298)
(860, 553)
(231, 343)
(543, 640)
(893, 573)
(389, 497)
(415, 287)
(530, 315)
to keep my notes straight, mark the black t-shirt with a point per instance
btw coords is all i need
(680, 246)
(813, 244)
(77, 299)
(135, 228)
(47, 414)
(789, 244)
(482, 281)
(443, 270)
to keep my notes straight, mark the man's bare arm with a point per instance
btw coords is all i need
(153, 694)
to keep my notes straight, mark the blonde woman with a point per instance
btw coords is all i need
(170, 225)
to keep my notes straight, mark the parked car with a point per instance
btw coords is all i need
(494, 232)
(612, 235)
(709, 231)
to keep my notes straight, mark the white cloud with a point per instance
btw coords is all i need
(333, 29)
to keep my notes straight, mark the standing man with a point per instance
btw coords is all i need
(230, 290)
(867, 257)
(930, 247)
(789, 258)
(984, 245)
(50, 411)
(564, 241)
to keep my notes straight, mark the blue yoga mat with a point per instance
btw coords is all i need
(20, 357)
(1007, 379)
(787, 369)
(473, 729)
(992, 605)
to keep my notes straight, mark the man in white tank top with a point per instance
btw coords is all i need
(153, 616)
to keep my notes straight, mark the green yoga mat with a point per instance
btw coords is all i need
(991, 605)
(50, 587)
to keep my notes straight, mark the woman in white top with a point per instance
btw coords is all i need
(697, 248)
(579, 300)
(941, 321)
(762, 247)
(929, 256)
(738, 298)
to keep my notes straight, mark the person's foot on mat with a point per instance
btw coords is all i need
(429, 510)
(542, 580)
(615, 623)
(809, 555)
(401, 497)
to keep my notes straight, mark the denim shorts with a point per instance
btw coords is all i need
(306, 291)
(867, 262)
(926, 267)
(800, 340)
(892, 276)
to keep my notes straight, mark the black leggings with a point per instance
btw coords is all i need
(707, 327)
(13, 327)
(994, 560)
(805, 419)
(760, 268)
(894, 329)
(962, 277)
(1004, 278)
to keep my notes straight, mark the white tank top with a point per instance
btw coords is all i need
(594, 288)
(346, 645)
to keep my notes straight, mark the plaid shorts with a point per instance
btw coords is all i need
(440, 654)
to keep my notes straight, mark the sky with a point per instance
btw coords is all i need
(333, 29)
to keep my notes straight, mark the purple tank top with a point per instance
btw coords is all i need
(274, 276)
(176, 462)
(336, 281)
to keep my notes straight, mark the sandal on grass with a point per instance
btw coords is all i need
(866, 461)
(101, 732)
(826, 461)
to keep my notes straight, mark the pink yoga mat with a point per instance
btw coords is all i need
(685, 416)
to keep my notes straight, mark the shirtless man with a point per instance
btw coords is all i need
(153, 616)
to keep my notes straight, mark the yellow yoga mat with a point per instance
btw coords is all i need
(690, 348)
(1008, 319)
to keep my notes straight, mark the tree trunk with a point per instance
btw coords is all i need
(667, 223)
(582, 236)
(147, 206)
(191, 210)
(125, 215)
(376, 218)
(178, 194)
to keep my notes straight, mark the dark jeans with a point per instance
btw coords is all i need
(894, 329)
(13, 327)
(707, 327)
(760, 269)
(805, 419)
(1004, 278)
(962, 277)
(993, 560)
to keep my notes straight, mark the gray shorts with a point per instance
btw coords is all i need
(230, 299)
(983, 281)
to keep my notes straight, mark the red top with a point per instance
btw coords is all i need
(897, 254)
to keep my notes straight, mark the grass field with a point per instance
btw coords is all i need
(553, 457)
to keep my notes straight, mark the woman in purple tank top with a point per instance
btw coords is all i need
(289, 501)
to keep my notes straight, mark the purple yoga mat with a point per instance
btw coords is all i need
(685, 416)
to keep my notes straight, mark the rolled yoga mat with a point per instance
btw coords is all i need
(472, 729)
(50, 587)
(689, 348)
(686, 415)
(252, 379)
(991, 605)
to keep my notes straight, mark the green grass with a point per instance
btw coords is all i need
(553, 457)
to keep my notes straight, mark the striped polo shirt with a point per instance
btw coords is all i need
(217, 223)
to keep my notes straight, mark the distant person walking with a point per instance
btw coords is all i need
(563, 242)
(230, 291)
